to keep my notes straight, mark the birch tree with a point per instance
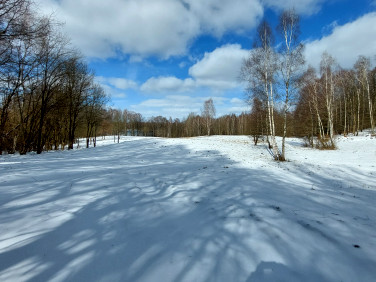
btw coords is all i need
(362, 67)
(259, 70)
(326, 67)
(208, 114)
(291, 62)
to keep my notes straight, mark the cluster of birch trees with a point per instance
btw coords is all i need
(314, 105)
(336, 101)
(47, 92)
(270, 71)
(318, 106)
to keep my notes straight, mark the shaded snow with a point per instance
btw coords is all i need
(195, 209)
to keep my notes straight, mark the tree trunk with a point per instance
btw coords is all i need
(370, 107)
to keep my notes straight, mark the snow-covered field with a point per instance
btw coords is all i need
(195, 209)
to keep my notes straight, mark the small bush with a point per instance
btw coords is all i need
(325, 144)
(308, 142)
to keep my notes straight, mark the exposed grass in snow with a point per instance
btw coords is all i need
(195, 209)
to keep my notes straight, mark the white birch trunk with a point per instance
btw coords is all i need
(370, 106)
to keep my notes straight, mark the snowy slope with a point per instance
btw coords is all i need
(196, 209)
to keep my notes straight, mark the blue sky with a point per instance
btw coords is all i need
(166, 57)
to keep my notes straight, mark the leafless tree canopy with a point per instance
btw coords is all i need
(208, 114)
(46, 88)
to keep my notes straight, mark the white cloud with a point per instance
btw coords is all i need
(117, 82)
(115, 86)
(165, 84)
(346, 42)
(218, 16)
(180, 106)
(122, 83)
(137, 27)
(176, 106)
(113, 92)
(220, 68)
(144, 28)
(217, 70)
(237, 101)
(307, 7)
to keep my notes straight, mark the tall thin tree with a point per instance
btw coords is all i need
(208, 114)
(291, 62)
(362, 67)
(260, 70)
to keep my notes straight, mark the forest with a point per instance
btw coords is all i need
(49, 97)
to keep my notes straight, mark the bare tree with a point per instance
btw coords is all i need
(257, 115)
(259, 70)
(77, 82)
(362, 67)
(310, 89)
(326, 67)
(94, 112)
(52, 52)
(291, 62)
(19, 30)
(14, 24)
(117, 120)
(44, 86)
(208, 114)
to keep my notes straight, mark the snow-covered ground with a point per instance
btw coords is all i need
(196, 209)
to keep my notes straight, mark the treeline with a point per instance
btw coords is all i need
(47, 90)
(126, 122)
(336, 101)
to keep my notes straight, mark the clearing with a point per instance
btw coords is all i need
(196, 209)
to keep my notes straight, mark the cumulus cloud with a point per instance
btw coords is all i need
(218, 16)
(117, 82)
(165, 84)
(307, 7)
(145, 28)
(116, 86)
(176, 106)
(220, 68)
(217, 70)
(137, 27)
(346, 42)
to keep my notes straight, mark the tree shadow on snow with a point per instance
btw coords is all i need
(141, 211)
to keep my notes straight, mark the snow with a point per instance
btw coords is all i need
(193, 209)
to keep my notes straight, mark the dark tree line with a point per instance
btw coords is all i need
(118, 122)
(47, 90)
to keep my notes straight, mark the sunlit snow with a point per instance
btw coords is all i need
(193, 209)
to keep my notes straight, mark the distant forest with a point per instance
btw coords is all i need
(48, 97)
